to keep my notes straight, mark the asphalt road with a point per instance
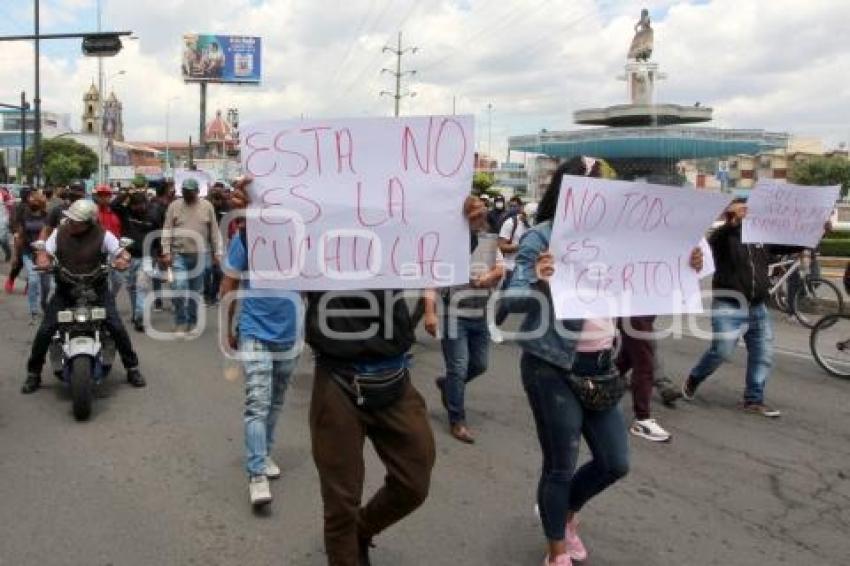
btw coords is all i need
(155, 477)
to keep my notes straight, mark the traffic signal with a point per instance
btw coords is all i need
(101, 45)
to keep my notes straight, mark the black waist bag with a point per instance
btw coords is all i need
(598, 392)
(373, 391)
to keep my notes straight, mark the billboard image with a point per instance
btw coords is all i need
(221, 58)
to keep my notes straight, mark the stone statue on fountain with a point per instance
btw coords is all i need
(641, 48)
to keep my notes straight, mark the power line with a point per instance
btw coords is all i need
(357, 34)
(374, 60)
(399, 52)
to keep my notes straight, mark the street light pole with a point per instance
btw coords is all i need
(168, 131)
(37, 101)
(489, 130)
(100, 95)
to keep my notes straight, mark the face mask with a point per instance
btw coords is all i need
(190, 196)
(500, 206)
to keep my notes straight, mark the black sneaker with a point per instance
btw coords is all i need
(139, 325)
(689, 389)
(32, 383)
(363, 552)
(135, 378)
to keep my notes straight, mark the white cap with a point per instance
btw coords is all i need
(81, 211)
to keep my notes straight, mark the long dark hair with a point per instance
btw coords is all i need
(549, 202)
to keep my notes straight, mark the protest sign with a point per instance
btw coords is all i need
(793, 215)
(623, 249)
(202, 177)
(368, 203)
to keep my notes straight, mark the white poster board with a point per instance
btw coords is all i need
(363, 203)
(793, 215)
(623, 249)
(203, 178)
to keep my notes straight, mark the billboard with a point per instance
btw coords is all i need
(221, 58)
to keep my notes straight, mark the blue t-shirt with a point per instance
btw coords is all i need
(267, 315)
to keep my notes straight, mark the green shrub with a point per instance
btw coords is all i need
(835, 247)
(839, 235)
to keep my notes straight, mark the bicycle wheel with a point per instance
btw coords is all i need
(815, 298)
(779, 298)
(830, 344)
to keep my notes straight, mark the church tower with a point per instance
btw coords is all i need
(113, 118)
(91, 111)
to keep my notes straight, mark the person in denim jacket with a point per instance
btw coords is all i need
(551, 350)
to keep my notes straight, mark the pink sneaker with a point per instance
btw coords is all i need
(560, 560)
(575, 548)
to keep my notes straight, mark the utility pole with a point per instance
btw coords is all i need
(399, 52)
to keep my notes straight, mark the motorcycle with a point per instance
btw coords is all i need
(82, 350)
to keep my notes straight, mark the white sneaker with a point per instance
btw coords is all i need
(650, 430)
(258, 488)
(272, 469)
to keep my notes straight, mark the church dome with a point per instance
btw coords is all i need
(219, 129)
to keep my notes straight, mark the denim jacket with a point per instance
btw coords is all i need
(543, 336)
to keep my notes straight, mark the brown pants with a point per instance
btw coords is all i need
(638, 354)
(403, 440)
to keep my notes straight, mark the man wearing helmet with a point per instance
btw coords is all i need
(80, 245)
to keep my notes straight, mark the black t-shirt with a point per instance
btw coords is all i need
(31, 224)
(54, 217)
(375, 333)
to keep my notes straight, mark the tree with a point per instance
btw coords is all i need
(83, 158)
(823, 171)
(481, 182)
(60, 169)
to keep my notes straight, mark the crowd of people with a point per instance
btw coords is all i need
(362, 364)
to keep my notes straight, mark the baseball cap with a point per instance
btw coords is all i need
(103, 190)
(81, 211)
(190, 185)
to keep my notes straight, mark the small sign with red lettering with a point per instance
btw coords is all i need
(623, 249)
(362, 203)
(792, 215)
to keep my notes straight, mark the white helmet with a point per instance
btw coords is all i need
(82, 211)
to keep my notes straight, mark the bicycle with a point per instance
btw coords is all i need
(830, 344)
(813, 296)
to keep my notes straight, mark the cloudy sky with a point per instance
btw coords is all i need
(774, 64)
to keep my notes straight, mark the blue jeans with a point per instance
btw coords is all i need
(39, 283)
(465, 351)
(561, 422)
(729, 321)
(137, 292)
(268, 370)
(190, 288)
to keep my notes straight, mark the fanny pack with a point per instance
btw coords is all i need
(598, 392)
(372, 391)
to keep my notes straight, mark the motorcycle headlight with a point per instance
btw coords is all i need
(98, 313)
(81, 314)
(65, 316)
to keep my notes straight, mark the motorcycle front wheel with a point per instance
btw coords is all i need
(81, 387)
